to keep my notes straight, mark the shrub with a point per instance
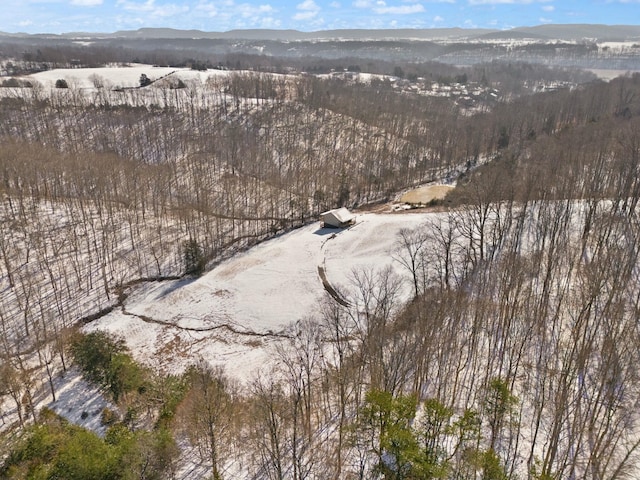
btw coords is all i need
(178, 85)
(144, 80)
(10, 82)
(108, 417)
(104, 360)
(61, 83)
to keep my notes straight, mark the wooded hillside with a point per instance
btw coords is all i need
(515, 359)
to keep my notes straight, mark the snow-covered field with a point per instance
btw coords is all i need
(120, 76)
(607, 75)
(237, 313)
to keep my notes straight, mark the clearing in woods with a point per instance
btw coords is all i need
(426, 194)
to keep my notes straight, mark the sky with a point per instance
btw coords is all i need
(62, 16)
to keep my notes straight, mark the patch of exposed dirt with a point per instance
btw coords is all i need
(426, 194)
(330, 290)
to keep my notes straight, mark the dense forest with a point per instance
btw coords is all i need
(514, 359)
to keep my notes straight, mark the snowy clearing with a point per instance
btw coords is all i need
(122, 76)
(426, 194)
(235, 314)
(80, 402)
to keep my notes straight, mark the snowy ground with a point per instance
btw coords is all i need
(128, 76)
(237, 313)
(607, 75)
(80, 402)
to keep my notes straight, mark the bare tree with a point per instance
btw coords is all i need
(410, 253)
(207, 414)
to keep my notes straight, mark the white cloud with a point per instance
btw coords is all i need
(399, 10)
(506, 2)
(308, 10)
(227, 14)
(270, 22)
(253, 11)
(169, 10)
(246, 15)
(150, 8)
(304, 15)
(548, 8)
(438, 18)
(309, 6)
(209, 8)
(136, 7)
(86, 3)
(545, 20)
(335, 5)
(381, 8)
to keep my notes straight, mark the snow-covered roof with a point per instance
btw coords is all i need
(342, 215)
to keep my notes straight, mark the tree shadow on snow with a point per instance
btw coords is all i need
(177, 285)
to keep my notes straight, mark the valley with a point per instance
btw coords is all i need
(171, 305)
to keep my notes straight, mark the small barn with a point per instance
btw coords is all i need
(337, 218)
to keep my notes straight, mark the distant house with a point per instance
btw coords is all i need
(337, 218)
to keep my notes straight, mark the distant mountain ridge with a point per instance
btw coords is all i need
(296, 35)
(576, 46)
(584, 31)
(567, 32)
